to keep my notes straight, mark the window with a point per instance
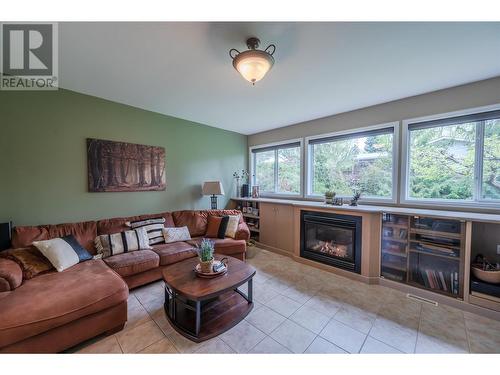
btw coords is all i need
(357, 161)
(277, 169)
(454, 159)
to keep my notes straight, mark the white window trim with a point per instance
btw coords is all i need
(476, 201)
(395, 162)
(251, 162)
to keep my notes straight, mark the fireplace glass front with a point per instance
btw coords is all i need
(331, 239)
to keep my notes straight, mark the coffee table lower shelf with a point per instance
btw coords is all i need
(216, 315)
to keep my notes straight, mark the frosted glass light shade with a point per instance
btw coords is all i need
(253, 65)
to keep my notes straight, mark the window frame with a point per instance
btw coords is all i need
(275, 145)
(476, 201)
(395, 161)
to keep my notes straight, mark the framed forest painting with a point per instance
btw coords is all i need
(121, 166)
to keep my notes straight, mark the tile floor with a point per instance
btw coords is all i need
(300, 309)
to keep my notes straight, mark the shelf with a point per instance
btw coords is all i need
(257, 230)
(393, 266)
(394, 239)
(394, 225)
(434, 244)
(434, 233)
(250, 216)
(395, 253)
(436, 255)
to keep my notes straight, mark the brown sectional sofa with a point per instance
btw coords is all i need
(57, 310)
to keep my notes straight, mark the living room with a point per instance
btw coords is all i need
(261, 188)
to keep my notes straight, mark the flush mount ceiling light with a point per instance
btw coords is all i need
(254, 63)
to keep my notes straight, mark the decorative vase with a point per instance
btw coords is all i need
(238, 189)
(244, 191)
(207, 267)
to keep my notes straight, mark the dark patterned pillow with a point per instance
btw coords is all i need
(31, 261)
(217, 226)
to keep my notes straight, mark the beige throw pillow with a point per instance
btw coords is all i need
(232, 225)
(176, 234)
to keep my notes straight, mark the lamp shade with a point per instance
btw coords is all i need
(212, 188)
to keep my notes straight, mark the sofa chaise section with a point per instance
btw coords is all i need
(57, 310)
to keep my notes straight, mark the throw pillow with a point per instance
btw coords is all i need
(217, 226)
(31, 261)
(123, 242)
(176, 234)
(232, 225)
(63, 252)
(152, 226)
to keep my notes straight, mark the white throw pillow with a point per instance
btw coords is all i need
(63, 252)
(232, 225)
(176, 234)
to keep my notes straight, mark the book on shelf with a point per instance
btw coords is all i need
(440, 280)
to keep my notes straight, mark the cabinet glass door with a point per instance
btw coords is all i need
(436, 254)
(394, 257)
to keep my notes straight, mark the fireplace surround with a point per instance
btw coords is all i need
(332, 239)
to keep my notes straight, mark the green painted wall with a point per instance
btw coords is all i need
(43, 162)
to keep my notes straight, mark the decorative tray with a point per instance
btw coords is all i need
(210, 275)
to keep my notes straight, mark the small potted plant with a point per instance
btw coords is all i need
(329, 195)
(206, 254)
(355, 198)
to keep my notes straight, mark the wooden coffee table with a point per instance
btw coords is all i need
(200, 309)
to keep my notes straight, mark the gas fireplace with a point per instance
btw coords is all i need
(331, 239)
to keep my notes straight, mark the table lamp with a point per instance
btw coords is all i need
(213, 188)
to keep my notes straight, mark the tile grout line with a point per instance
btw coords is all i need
(467, 334)
(418, 329)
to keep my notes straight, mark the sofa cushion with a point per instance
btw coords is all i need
(174, 252)
(127, 264)
(57, 298)
(114, 225)
(84, 232)
(226, 246)
(31, 261)
(11, 275)
(196, 221)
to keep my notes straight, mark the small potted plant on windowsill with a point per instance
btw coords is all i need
(206, 255)
(329, 195)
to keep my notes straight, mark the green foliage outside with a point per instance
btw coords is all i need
(363, 164)
(442, 162)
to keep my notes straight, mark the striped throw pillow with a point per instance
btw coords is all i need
(154, 228)
(123, 242)
(63, 252)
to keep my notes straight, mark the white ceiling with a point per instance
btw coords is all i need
(184, 70)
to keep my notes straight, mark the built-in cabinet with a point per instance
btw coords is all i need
(276, 226)
(412, 250)
(425, 252)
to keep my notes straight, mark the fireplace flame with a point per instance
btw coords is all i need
(331, 248)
